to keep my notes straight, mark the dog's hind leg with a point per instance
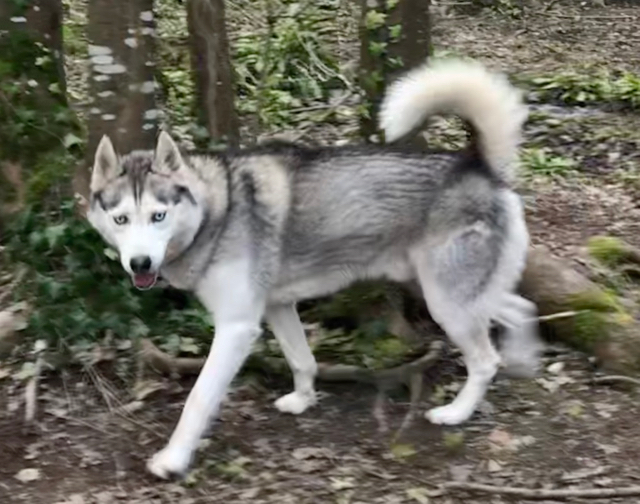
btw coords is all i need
(450, 275)
(521, 345)
(288, 330)
(471, 334)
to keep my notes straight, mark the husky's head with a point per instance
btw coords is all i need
(148, 205)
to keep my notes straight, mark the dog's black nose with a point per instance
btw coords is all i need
(140, 264)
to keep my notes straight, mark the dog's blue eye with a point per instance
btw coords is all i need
(121, 219)
(158, 216)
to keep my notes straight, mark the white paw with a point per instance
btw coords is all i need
(295, 402)
(169, 462)
(448, 415)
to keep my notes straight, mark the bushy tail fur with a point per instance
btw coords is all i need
(487, 100)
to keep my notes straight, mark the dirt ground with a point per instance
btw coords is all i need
(558, 431)
(561, 430)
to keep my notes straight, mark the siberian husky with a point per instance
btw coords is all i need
(251, 232)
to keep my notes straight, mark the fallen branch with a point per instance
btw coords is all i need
(558, 316)
(616, 379)
(164, 363)
(543, 493)
(415, 387)
(380, 377)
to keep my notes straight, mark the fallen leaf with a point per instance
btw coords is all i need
(144, 389)
(453, 440)
(419, 494)
(500, 438)
(494, 466)
(523, 441)
(342, 483)
(555, 368)
(608, 449)
(235, 468)
(104, 497)
(581, 474)
(251, 493)
(401, 451)
(27, 475)
(576, 410)
(311, 452)
(460, 473)
(76, 499)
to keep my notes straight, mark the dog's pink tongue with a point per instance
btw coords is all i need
(144, 280)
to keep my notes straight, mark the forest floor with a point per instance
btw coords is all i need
(560, 431)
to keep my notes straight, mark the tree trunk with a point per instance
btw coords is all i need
(42, 20)
(122, 86)
(33, 112)
(394, 37)
(212, 69)
(409, 25)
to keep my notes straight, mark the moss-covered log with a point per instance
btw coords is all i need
(597, 320)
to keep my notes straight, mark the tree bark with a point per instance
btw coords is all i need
(42, 20)
(596, 320)
(122, 86)
(409, 35)
(395, 36)
(212, 69)
(32, 81)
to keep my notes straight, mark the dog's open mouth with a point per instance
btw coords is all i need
(145, 281)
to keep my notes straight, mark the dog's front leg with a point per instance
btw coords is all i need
(237, 305)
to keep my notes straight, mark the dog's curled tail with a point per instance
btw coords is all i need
(487, 100)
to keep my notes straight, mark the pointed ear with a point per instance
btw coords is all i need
(106, 165)
(167, 157)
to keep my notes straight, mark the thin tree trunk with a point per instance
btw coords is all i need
(42, 20)
(394, 37)
(33, 79)
(409, 35)
(122, 86)
(212, 69)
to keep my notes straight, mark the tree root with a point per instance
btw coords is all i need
(164, 363)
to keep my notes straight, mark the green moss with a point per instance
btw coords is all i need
(598, 312)
(386, 352)
(598, 300)
(607, 249)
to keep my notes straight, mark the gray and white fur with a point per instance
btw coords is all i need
(252, 232)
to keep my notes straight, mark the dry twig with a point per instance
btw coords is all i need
(616, 379)
(31, 390)
(543, 493)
